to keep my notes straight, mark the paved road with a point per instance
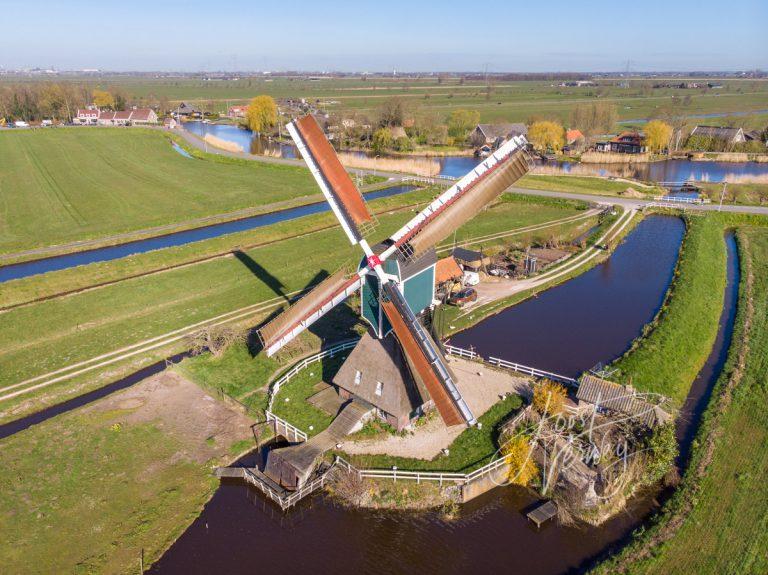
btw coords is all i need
(634, 203)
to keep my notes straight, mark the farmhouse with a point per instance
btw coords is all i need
(237, 111)
(573, 136)
(187, 109)
(727, 135)
(496, 134)
(94, 116)
(624, 143)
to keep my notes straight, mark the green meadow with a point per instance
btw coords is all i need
(68, 184)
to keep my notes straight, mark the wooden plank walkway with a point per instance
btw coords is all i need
(302, 457)
(543, 512)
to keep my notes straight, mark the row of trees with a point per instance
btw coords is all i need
(34, 101)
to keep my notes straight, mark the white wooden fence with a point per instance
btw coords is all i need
(329, 352)
(440, 477)
(532, 371)
(678, 200)
(461, 352)
(282, 427)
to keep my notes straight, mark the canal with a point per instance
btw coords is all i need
(108, 253)
(239, 531)
(458, 166)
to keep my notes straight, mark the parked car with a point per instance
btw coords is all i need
(470, 278)
(465, 296)
(21, 124)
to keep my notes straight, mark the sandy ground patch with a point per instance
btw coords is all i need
(480, 387)
(205, 426)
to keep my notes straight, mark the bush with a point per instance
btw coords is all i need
(549, 397)
(518, 453)
(403, 144)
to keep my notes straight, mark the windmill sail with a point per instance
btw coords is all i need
(424, 359)
(323, 298)
(345, 199)
(464, 200)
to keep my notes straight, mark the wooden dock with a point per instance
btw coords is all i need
(543, 512)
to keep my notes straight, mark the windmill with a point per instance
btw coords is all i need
(378, 272)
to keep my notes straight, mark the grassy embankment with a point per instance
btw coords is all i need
(582, 185)
(53, 334)
(71, 184)
(672, 349)
(716, 520)
(49, 284)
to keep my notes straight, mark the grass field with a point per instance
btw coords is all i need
(81, 496)
(69, 184)
(48, 335)
(513, 101)
(723, 510)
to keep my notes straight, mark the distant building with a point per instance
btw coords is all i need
(94, 116)
(187, 109)
(572, 136)
(87, 117)
(470, 260)
(237, 111)
(624, 143)
(496, 134)
(727, 135)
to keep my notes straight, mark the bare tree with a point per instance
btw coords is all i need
(216, 339)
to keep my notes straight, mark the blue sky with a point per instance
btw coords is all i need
(589, 35)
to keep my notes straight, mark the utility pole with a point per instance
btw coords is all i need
(722, 195)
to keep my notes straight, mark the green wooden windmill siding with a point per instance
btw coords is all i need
(417, 280)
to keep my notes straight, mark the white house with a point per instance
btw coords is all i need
(91, 117)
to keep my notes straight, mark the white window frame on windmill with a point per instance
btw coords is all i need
(379, 388)
(358, 377)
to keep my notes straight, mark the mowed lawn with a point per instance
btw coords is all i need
(67, 184)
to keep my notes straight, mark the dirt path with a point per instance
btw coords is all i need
(204, 426)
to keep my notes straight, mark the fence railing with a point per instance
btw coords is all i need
(285, 378)
(290, 432)
(680, 200)
(532, 371)
(460, 351)
(286, 501)
(419, 476)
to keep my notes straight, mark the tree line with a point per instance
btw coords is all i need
(59, 101)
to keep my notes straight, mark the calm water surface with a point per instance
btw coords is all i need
(593, 317)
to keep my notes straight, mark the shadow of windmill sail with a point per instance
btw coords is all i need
(397, 370)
